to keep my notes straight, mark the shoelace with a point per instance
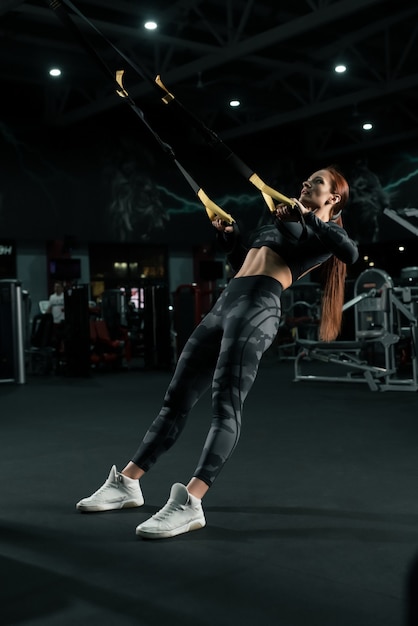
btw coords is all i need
(170, 507)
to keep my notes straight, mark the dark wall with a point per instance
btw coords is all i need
(111, 183)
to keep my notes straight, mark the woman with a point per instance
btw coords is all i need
(226, 347)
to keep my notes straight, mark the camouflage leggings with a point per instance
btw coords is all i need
(224, 350)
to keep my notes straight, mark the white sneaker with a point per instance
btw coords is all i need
(182, 513)
(118, 492)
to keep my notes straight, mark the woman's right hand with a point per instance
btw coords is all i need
(222, 226)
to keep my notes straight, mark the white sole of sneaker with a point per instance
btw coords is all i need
(166, 534)
(128, 504)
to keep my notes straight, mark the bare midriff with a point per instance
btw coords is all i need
(264, 262)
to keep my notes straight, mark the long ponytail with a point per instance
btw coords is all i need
(334, 270)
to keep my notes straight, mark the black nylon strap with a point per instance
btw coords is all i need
(57, 5)
(208, 134)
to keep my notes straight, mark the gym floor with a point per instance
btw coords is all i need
(313, 521)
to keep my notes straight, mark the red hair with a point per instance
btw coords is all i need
(334, 270)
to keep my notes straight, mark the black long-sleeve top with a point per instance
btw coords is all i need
(301, 249)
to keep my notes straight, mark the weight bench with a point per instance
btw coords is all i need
(349, 355)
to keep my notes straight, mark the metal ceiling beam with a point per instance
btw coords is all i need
(372, 143)
(379, 90)
(280, 33)
(125, 33)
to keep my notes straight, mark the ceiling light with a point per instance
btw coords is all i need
(234, 103)
(340, 69)
(55, 72)
(367, 126)
(150, 25)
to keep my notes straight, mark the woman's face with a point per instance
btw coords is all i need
(316, 191)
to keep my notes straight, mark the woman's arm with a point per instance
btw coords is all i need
(229, 241)
(334, 237)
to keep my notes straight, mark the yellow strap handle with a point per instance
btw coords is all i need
(213, 210)
(119, 79)
(168, 96)
(269, 193)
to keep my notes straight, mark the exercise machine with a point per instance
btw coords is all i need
(383, 353)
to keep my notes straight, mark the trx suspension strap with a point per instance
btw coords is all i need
(269, 194)
(212, 209)
(212, 138)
